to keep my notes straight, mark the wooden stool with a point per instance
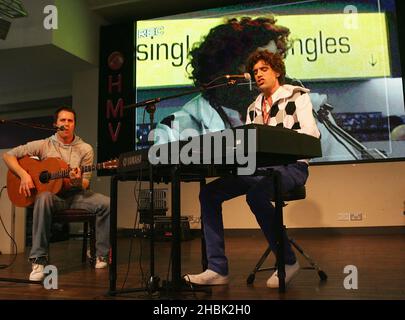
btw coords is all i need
(88, 219)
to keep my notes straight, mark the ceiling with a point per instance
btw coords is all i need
(117, 11)
(26, 72)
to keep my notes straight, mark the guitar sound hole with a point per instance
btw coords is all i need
(44, 177)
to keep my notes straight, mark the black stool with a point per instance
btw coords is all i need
(295, 194)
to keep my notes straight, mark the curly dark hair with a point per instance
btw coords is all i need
(274, 60)
(225, 49)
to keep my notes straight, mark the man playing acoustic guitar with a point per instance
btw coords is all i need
(70, 148)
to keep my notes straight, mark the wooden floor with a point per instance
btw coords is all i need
(380, 262)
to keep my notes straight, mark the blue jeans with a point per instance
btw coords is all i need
(47, 203)
(259, 191)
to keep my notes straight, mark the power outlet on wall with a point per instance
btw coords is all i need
(350, 216)
(357, 216)
(343, 216)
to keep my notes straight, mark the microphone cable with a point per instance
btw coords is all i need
(5, 266)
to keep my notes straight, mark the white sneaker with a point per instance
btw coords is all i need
(37, 273)
(208, 277)
(290, 271)
(101, 263)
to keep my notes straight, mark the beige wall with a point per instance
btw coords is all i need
(375, 190)
(85, 102)
(13, 219)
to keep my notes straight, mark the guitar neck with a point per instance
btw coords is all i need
(65, 173)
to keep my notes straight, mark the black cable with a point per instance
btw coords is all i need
(131, 240)
(137, 197)
(5, 266)
(169, 267)
(144, 281)
(193, 292)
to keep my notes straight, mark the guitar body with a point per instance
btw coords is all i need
(34, 168)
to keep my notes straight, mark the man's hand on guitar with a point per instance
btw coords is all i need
(75, 176)
(26, 184)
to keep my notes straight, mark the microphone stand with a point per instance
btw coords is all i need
(153, 282)
(150, 104)
(32, 126)
(324, 115)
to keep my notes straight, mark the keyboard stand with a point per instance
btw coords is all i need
(177, 285)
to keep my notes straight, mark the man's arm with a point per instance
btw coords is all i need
(26, 181)
(79, 179)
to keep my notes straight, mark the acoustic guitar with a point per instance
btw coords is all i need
(51, 175)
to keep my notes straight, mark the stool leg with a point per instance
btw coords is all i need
(93, 242)
(84, 246)
(251, 276)
(279, 231)
(313, 264)
(204, 260)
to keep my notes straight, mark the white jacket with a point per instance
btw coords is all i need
(292, 109)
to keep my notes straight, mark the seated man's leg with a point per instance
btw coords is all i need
(211, 198)
(99, 204)
(45, 204)
(258, 198)
(259, 202)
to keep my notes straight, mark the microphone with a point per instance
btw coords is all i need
(231, 78)
(61, 128)
(245, 76)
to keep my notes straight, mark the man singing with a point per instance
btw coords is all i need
(278, 104)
